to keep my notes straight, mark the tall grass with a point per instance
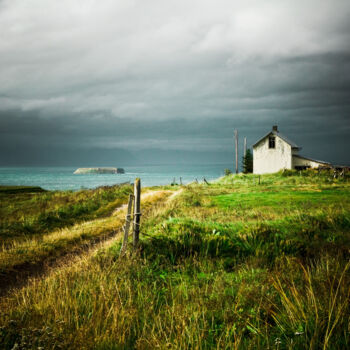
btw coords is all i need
(106, 303)
(31, 250)
(318, 313)
(27, 214)
(199, 281)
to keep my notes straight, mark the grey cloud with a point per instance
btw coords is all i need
(172, 76)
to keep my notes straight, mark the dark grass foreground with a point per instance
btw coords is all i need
(232, 265)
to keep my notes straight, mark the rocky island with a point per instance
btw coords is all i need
(99, 171)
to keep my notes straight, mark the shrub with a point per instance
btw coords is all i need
(248, 162)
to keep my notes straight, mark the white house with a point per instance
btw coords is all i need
(274, 152)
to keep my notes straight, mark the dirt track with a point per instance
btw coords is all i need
(22, 274)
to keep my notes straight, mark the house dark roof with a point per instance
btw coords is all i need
(284, 138)
(313, 160)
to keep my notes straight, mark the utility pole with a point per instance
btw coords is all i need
(236, 146)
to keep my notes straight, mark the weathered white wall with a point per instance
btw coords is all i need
(270, 160)
(305, 162)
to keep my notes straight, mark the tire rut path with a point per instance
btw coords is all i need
(20, 275)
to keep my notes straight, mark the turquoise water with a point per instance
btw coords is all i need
(62, 178)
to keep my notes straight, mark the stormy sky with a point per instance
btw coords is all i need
(115, 82)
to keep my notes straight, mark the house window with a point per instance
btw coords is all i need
(272, 142)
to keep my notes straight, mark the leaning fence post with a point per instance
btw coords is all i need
(137, 212)
(127, 224)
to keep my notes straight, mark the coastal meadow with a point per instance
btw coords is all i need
(230, 265)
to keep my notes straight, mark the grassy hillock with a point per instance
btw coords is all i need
(34, 251)
(231, 265)
(27, 212)
(36, 226)
(20, 189)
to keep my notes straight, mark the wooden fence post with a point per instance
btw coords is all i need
(137, 212)
(127, 224)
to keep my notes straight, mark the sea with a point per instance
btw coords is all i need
(62, 178)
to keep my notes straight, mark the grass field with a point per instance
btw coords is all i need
(62, 225)
(27, 211)
(230, 265)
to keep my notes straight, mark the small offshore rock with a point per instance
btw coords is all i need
(99, 171)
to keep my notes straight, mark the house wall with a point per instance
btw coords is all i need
(267, 160)
(296, 161)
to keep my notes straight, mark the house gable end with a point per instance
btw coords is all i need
(270, 156)
(281, 136)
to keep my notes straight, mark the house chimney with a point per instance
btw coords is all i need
(275, 128)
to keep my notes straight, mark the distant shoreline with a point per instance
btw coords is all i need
(62, 178)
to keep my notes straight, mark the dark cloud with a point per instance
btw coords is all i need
(85, 81)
